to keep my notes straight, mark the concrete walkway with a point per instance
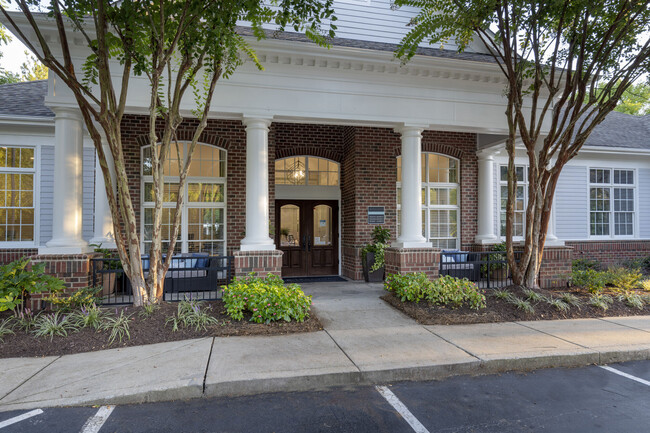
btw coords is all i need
(364, 341)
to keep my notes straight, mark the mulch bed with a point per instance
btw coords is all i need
(145, 331)
(499, 310)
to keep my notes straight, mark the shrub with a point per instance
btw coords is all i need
(570, 299)
(53, 324)
(148, 310)
(533, 296)
(645, 284)
(88, 317)
(601, 301)
(192, 314)
(446, 291)
(409, 287)
(17, 284)
(6, 328)
(632, 300)
(624, 279)
(559, 304)
(267, 299)
(584, 264)
(502, 294)
(522, 304)
(84, 297)
(380, 238)
(117, 325)
(594, 281)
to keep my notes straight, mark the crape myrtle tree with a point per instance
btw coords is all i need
(181, 47)
(566, 63)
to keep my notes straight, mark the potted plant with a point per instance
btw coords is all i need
(372, 255)
(497, 271)
(109, 279)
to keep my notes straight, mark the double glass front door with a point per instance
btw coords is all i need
(307, 233)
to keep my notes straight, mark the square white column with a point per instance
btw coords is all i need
(411, 205)
(257, 186)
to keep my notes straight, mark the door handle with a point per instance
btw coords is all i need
(309, 244)
(304, 243)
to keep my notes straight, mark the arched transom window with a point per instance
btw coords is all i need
(440, 199)
(203, 218)
(306, 170)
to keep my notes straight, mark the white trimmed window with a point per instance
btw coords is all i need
(440, 199)
(611, 202)
(521, 199)
(17, 194)
(203, 215)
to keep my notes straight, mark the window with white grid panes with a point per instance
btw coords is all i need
(611, 202)
(17, 200)
(440, 199)
(521, 199)
(306, 170)
(203, 214)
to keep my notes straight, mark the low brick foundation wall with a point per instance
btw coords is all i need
(610, 252)
(73, 270)
(404, 260)
(262, 263)
(11, 255)
(555, 270)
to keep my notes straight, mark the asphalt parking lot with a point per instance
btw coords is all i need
(589, 399)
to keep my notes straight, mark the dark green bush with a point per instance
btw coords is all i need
(446, 291)
(17, 284)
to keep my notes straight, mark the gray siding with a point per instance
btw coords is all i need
(88, 218)
(571, 204)
(644, 202)
(46, 194)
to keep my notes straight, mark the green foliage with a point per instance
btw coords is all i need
(593, 281)
(192, 314)
(624, 279)
(380, 238)
(6, 328)
(267, 299)
(49, 325)
(446, 291)
(501, 258)
(117, 325)
(532, 295)
(17, 283)
(570, 299)
(502, 294)
(88, 317)
(148, 310)
(600, 300)
(25, 319)
(635, 100)
(84, 297)
(559, 304)
(522, 304)
(632, 300)
(585, 264)
(645, 285)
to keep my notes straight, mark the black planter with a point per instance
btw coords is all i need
(375, 276)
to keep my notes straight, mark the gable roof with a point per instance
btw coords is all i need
(24, 99)
(621, 130)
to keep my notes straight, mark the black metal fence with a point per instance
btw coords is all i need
(488, 269)
(189, 277)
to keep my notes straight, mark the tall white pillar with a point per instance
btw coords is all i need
(103, 220)
(411, 206)
(486, 185)
(68, 184)
(257, 186)
(551, 238)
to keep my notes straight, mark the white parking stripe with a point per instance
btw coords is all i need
(622, 373)
(19, 418)
(96, 422)
(402, 409)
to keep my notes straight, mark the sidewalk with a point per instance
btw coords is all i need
(364, 341)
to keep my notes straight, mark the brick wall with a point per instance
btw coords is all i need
(610, 252)
(555, 270)
(11, 255)
(262, 263)
(401, 261)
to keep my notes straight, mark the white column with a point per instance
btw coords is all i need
(103, 220)
(257, 186)
(411, 206)
(551, 238)
(486, 185)
(68, 185)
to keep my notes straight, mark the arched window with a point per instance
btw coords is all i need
(203, 218)
(306, 170)
(440, 199)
